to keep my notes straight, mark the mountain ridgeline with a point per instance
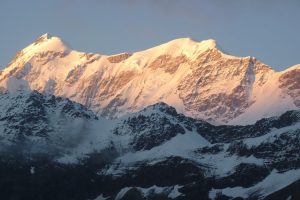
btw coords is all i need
(196, 78)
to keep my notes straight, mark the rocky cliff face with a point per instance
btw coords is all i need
(196, 78)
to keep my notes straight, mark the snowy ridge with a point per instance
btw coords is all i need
(194, 77)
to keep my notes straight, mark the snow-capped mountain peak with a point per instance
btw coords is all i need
(45, 46)
(189, 43)
(47, 42)
(182, 46)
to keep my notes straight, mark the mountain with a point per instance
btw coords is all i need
(33, 124)
(137, 126)
(196, 78)
(54, 148)
(168, 153)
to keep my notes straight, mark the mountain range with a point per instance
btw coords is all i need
(182, 121)
(196, 78)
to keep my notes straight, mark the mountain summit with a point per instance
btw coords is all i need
(196, 78)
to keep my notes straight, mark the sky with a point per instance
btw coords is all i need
(266, 29)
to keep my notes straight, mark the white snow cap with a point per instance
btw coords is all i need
(210, 43)
(47, 42)
(186, 46)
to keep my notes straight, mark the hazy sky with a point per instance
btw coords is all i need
(266, 29)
